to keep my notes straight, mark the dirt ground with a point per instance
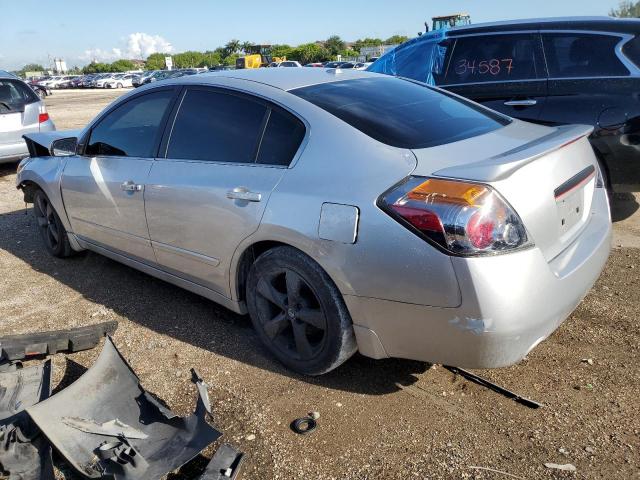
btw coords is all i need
(388, 419)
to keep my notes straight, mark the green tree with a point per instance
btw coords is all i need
(366, 42)
(32, 67)
(245, 46)
(334, 44)
(232, 46)
(283, 50)
(210, 59)
(96, 67)
(627, 9)
(308, 53)
(230, 59)
(188, 59)
(396, 39)
(122, 66)
(155, 61)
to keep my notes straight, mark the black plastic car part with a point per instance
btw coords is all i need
(225, 464)
(24, 452)
(110, 394)
(19, 347)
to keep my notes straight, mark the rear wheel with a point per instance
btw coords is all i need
(51, 229)
(298, 312)
(119, 85)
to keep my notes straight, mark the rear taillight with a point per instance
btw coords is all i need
(43, 116)
(460, 217)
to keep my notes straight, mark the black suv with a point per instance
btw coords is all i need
(556, 71)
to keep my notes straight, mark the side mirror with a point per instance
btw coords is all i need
(64, 147)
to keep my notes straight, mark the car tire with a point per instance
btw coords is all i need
(119, 85)
(298, 312)
(52, 231)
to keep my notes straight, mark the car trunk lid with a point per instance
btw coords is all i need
(548, 175)
(16, 120)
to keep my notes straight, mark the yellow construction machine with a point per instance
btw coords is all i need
(257, 56)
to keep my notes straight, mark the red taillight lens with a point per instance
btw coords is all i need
(43, 117)
(461, 217)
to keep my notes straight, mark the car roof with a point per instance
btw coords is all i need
(5, 74)
(282, 78)
(606, 24)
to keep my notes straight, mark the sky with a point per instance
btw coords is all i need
(36, 31)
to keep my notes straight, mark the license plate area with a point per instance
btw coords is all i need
(570, 210)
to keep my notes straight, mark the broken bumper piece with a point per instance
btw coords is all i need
(19, 347)
(110, 394)
(225, 464)
(24, 453)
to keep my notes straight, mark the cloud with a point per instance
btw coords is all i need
(138, 46)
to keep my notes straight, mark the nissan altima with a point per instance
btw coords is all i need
(343, 210)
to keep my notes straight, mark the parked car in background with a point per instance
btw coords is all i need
(120, 81)
(41, 91)
(437, 229)
(332, 64)
(362, 65)
(21, 111)
(49, 81)
(139, 79)
(289, 64)
(554, 72)
(273, 64)
(157, 75)
(315, 64)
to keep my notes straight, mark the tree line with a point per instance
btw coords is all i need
(227, 55)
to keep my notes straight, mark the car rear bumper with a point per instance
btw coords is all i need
(510, 303)
(12, 152)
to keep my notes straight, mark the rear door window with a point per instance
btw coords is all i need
(133, 128)
(14, 95)
(281, 140)
(575, 55)
(631, 50)
(402, 113)
(492, 58)
(215, 126)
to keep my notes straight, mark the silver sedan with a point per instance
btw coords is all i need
(344, 211)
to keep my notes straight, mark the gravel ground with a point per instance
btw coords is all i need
(379, 419)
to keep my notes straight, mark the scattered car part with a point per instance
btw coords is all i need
(19, 347)
(112, 428)
(303, 425)
(24, 453)
(492, 386)
(111, 390)
(225, 464)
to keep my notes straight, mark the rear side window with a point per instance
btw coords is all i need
(132, 129)
(401, 113)
(492, 58)
(281, 138)
(215, 126)
(15, 94)
(574, 55)
(631, 50)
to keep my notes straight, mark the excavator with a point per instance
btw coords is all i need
(257, 56)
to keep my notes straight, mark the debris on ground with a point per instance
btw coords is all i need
(567, 467)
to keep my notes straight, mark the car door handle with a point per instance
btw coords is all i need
(131, 186)
(521, 103)
(243, 193)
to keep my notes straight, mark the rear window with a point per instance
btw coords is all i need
(401, 113)
(574, 55)
(631, 50)
(15, 94)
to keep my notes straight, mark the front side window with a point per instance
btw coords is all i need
(132, 129)
(574, 55)
(493, 58)
(216, 126)
(401, 113)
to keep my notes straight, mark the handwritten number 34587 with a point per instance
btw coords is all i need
(492, 66)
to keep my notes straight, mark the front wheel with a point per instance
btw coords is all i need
(298, 312)
(119, 85)
(53, 233)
